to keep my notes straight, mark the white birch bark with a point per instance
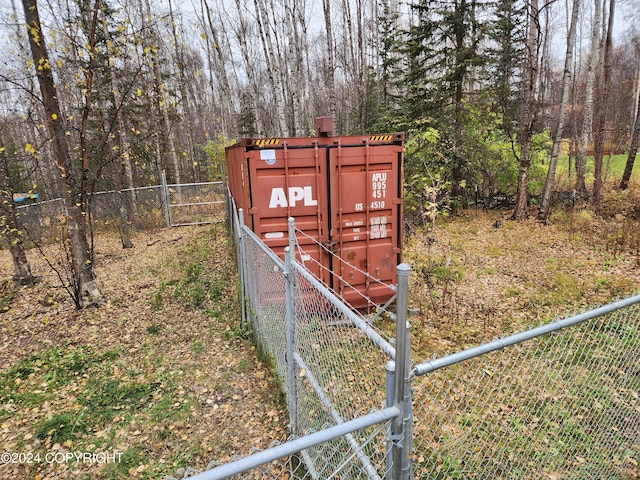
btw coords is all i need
(566, 87)
(587, 123)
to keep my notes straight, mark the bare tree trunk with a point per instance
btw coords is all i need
(244, 41)
(85, 288)
(566, 87)
(273, 70)
(529, 110)
(159, 88)
(9, 225)
(124, 148)
(86, 110)
(326, 4)
(153, 96)
(600, 138)
(217, 67)
(587, 123)
(117, 174)
(154, 128)
(185, 99)
(298, 85)
(633, 148)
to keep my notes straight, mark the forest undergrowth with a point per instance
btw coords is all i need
(162, 374)
(479, 275)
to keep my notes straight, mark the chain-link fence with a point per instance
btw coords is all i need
(557, 401)
(330, 360)
(194, 203)
(143, 207)
(563, 405)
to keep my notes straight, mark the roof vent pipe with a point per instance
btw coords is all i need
(324, 126)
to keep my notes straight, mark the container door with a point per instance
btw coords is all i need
(290, 182)
(366, 213)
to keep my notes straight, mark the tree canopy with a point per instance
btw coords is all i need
(478, 87)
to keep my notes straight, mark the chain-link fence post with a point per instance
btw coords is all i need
(401, 425)
(390, 380)
(291, 328)
(164, 199)
(242, 262)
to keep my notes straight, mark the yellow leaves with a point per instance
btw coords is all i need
(34, 33)
(54, 116)
(29, 149)
(139, 92)
(43, 64)
(203, 36)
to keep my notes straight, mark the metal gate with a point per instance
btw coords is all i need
(193, 203)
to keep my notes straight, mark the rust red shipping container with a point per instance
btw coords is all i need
(344, 192)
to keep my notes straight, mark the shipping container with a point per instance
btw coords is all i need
(345, 193)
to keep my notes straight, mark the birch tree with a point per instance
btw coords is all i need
(603, 97)
(271, 50)
(633, 147)
(9, 223)
(331, 68)
(587, 122)
(557, 137)
(217, 62)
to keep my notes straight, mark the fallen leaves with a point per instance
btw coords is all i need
(169, 387)
(505, 279)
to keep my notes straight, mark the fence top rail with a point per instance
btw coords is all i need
(430, 366)
(263, 247)
(199, 184)
(374, 336)
(91, 194)
(294, 446)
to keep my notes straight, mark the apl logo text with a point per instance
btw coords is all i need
(279, 197)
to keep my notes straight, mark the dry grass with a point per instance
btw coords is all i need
(479, 275)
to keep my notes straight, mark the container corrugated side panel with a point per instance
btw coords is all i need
(344, 192)
(238, 180)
